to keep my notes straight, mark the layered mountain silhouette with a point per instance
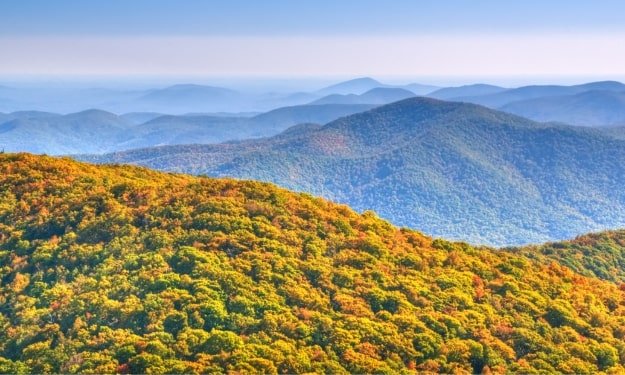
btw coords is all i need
(352, 86)
(188, 97)
(379, 95)
(590, 104)
(590, 108)
(451, 169)
(501, 98)
(39, 132)
(359, 86)
(179, 99)
(96, 131)
(467, 91)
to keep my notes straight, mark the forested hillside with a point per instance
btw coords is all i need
(455, 170)
(600, 255)
(121, 269)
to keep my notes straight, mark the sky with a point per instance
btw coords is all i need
(434, 40)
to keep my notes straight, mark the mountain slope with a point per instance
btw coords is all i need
(450, 169)
(379, 95)
(591, 108)
(121, 269)
(599, 255)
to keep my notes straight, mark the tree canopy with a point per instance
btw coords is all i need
(121, 269)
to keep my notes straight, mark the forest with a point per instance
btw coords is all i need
(120, 269)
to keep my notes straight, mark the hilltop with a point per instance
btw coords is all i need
(122, 269)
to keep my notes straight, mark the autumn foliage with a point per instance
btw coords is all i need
(121, 269)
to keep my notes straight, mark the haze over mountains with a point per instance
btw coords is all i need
(218, 187)
(441, 167)
(456, 170)
(379, 95)
(589, 108)
(591, 104)
(508, 96)
(458, 93)
(96, 131)
(179, 98)
(362, 85)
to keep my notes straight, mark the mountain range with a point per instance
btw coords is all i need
(589, 108)
(179, 99)
(409, 169)
(359, 86)
(590, 104)
(378, 95)
(467, 91)
(118, 269)
(99, 131)
(187, 98)
(500, 98)
(451, 169)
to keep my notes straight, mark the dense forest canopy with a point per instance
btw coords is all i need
(121, 269)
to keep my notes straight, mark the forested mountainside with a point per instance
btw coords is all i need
(122, 269)
(600, 255)
(455, 170)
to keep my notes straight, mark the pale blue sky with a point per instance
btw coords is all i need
(319, 17)
(313, 38)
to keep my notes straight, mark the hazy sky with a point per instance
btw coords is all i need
(313, 38)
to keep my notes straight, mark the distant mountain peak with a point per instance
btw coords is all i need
(379, 90)
(91, 114)
(425, 102)
(352, 86)
(376, 95)
(476, 89)
(192, 86)
(604, 85)
(93, 111)
(363, 80)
